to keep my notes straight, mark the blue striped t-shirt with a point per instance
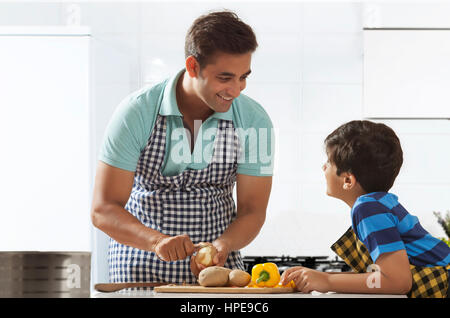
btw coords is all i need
(383, 225)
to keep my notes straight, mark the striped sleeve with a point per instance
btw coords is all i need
(376, 228)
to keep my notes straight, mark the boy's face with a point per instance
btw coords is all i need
(335, 183)
(221, 81)
(344, 186)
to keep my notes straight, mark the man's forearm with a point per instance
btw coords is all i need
(243, 230)
(123, 227)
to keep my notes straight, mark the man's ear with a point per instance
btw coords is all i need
(349, 180)
(192, 66)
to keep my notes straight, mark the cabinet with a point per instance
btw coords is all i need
(44, 135)
(406, 73)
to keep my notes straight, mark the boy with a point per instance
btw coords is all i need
(364, 158)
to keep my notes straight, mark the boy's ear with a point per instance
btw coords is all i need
(349, 181)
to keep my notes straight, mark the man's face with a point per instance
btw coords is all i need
(221, 81)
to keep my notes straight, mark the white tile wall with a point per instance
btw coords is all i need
(326, 106)
(333, 58)
(170, 18)
(307, 73)
(268, 17)
(332, 17)
(424, 144)
(269, 63)
(280, 100)
(110, 17)
(162, 55)
(116, 58)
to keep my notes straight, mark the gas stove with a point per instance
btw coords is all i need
(321, 263)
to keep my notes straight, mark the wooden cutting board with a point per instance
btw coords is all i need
(221, 290)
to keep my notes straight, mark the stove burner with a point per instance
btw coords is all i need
(321, 263)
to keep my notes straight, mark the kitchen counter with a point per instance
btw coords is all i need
(149, 293)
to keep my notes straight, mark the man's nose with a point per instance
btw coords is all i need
(236, 89)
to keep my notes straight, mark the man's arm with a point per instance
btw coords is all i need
(111, 192)
(252, 199)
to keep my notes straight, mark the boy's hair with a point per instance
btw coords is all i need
(370, 151)
(218, 32)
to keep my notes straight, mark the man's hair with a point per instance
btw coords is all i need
(370, 151)
(218, 32)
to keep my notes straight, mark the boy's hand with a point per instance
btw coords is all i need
(306, 280)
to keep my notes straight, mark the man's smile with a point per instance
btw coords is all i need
(225, 98)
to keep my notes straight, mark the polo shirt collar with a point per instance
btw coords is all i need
(228, 115)
(169, 106)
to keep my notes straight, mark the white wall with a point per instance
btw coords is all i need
(307, 73)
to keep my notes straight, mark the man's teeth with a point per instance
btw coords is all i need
(228, 99)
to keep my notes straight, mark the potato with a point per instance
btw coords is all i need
(214, 276)
(205, 255)
(238, 278)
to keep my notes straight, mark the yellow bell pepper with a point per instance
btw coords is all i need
(265, 275)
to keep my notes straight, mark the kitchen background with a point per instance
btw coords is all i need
(308, 73)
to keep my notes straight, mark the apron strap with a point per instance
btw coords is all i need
(352, 251)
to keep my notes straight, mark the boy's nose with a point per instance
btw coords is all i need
(324, 167)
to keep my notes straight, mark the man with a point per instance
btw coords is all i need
(158, 196)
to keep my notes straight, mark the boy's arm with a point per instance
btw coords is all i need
(394, 277)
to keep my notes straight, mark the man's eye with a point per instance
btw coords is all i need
(223, 79)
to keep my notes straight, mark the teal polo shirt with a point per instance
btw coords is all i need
(132, 123)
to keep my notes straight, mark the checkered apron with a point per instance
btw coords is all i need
(428, 282)
(198, 203)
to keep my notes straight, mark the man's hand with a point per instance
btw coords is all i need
(219, 259)
(222, 253)
(174, 248)
(306, 280)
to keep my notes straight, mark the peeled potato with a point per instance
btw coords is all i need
(214, 276)
(238, 278)
(205, 255)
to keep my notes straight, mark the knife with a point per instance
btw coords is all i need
(112, 287)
